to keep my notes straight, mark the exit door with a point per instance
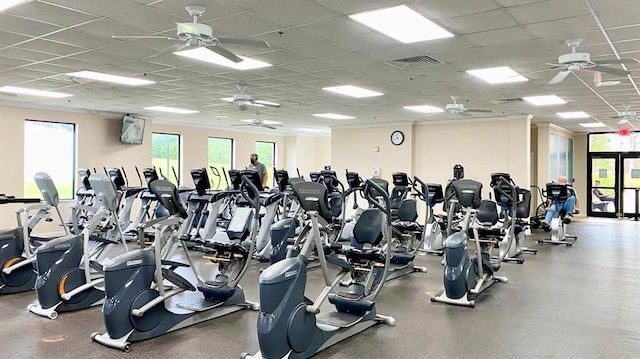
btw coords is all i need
(614, 183)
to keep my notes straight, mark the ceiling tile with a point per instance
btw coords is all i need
(252, 24)
(14, 29)
(443, 9)
(40, 11)
(25, 54)
(354, 6)
(295, 12)
(493, 37)
(97, 8)
(82, 39)
(214, 9)
(52, 47)
(489, 20)
(147, 18)
(565, 28)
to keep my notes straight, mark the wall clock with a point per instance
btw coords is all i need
(397, 137)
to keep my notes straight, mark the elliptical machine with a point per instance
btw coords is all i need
(69, 272)
(136, 306)
(17, 246)
(464, 277)
(558, 193)
(515, 207)
(435, 227)
(289, 324)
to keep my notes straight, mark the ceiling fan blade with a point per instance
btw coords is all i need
(241, 124)
(225, 53)
(535, 72)
(244, 42)
(269, 127)
(266, 103)
(610, 70)
(478, 110)
(616, 61)
(554, 65)
(143, 37)
(559, 77)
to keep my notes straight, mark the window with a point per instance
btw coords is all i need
(220, 157)
(267, 155)
(612, 142)
(49, 147)
(560, 157)
(165, 153)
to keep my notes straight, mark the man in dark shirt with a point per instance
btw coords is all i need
(261, 168)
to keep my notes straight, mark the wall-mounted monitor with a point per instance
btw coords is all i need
(132, 131)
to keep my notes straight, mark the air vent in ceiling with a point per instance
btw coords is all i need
(505, 101)
(422, 59)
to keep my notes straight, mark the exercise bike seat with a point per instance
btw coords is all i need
(177, 279)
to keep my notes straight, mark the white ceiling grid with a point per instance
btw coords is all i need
(314, 45)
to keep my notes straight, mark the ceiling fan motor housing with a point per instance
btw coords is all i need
(455, 108)
(576, 57)
(188, 30)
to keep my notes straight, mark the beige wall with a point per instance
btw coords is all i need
(353, 149)
(481, 148)
(323, 151)
(97, 146)
(431, 150)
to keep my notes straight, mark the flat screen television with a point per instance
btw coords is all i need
(132, 131)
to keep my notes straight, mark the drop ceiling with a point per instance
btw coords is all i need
(314, 44)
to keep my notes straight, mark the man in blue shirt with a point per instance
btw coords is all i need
(570, 206)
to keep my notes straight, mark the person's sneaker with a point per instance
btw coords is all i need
(545, 226)
(566, 220)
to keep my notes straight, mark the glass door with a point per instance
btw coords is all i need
(630, 174)
(602, 200)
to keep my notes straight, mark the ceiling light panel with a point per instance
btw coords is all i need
(402, 23)
(424, 109)
(176, 110)
(333, 116)
(122, 80)
(498, 75)
(593, 125)
(573, 114)
(7, 4)
(544, 100)
(203, 54)
(353, 91)
(32, 92)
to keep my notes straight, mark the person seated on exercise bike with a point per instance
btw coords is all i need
(570, 207)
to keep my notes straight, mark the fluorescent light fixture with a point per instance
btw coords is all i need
(180, 111)
(202, 54)
(498, 75)
(268, 103)
(424, 109)
(31, 92)
(593, 125)
(266, 122)
(312, 130)
(227, 99)
(353, 91)
(401, 23)
(122, 80)
(7, 4)
(334, 116)
(573, 114)
(544, 100)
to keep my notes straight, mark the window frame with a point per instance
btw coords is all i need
(74, 159)
(274, 153)
(233, 150)
(169, 175)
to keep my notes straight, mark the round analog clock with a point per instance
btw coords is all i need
(397, 138)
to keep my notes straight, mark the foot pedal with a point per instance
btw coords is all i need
(95, 265)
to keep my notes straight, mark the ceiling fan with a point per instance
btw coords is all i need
(258, 122)
(576, 61)
(459, 109)
(243, 99)
(194, 34)
(626, 116)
